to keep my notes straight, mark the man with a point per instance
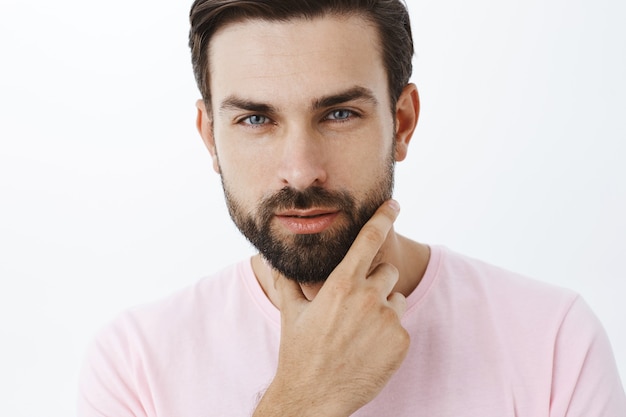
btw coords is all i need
(306, 108)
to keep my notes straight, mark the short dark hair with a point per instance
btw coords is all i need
(389, 16)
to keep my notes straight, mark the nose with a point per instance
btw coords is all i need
(302, 162)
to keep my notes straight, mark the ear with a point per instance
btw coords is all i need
(407, 113)
(204, 124)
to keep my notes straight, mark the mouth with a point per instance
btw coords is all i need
(306, 213)
(307, 221)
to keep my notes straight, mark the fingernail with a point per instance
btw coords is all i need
(394, 205)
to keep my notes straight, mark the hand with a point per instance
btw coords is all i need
(339, 350)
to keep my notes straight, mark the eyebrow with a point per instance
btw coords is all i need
(352, 94)
(355, 93)
(237, 103)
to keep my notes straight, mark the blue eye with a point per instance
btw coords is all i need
(341, 114)
(255, 120)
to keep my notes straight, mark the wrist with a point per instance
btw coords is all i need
(285, 400)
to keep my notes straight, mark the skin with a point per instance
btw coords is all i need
(329, 363)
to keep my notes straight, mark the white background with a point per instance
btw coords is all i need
(107, 198)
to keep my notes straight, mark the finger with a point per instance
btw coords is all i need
(397, 302)
(370, 238)
(289, 292)
(384, 277)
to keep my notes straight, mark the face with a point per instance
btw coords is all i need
(301, 132)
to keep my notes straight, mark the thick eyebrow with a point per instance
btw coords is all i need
(354, 93)
(237, 103)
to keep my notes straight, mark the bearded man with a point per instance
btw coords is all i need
(306, 107)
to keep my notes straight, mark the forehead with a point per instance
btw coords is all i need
(299, 58)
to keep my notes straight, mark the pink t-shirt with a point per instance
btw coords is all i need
(484, 343)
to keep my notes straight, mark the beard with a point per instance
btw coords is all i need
(309, 258)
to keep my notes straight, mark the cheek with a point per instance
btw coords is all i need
(245, 175)
(251, 173)
(369, 157)
(359, 172)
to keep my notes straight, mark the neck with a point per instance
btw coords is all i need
(409, 257)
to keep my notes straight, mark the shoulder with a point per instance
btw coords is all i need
(184, 311)
(473, 294)
(482, 280)
(143, 339)
(126, 361)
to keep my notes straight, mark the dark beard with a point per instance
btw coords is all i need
(309, 258)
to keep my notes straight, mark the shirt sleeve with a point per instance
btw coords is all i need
(110, 383)
(585, 380)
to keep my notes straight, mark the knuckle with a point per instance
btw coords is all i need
(403, 340)
(385, 274)
(399, 336)
(389, 315)
(389, 270)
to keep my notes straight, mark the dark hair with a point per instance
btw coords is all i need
(389, 16)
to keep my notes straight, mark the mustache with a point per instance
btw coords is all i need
(288, 198)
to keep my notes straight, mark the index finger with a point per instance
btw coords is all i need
(371, 237)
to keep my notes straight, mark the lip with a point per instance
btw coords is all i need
(307, 221)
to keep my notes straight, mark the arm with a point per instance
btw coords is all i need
(585, 381)
(107, 386)
(338, 351)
